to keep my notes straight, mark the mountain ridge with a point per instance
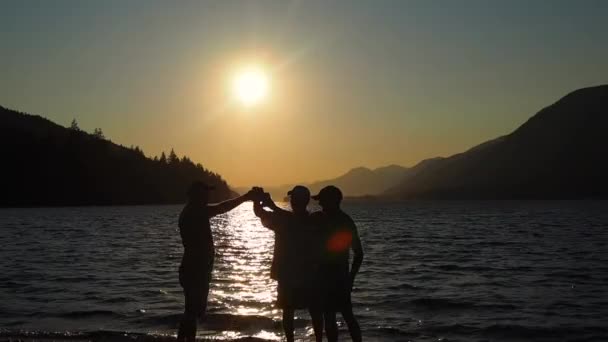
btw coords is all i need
(358, 181)
(47, 164)
(556, 153)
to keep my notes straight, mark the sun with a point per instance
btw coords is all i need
(250, 86)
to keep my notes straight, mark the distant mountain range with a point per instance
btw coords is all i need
(559, 153)
(360, 181)
(45, 164)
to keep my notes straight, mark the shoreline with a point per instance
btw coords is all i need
(105, 336)
(347, 200)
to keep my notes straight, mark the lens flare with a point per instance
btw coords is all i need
(340, 241)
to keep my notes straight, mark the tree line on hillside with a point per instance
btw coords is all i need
(47, 164)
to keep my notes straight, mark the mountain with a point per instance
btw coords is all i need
(45, 164)
(362, 181)
(359, 181)
(559, 153)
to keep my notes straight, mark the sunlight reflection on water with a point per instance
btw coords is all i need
(433, 270)
(241, 279)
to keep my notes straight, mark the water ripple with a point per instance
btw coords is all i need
(451, 271)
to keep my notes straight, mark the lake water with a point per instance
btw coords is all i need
(433, 271)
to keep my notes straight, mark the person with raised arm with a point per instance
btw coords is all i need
(294, 260)
(197, 262)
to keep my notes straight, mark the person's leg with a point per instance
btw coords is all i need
(316, 317)
(187, 327)
(331, 326)
(202, 314)
(351, 322)
(288, 316)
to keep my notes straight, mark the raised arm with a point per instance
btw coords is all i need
(267, 217)
(258, 209)
(273, 219)
(226, 206)
(358, 254)
(269, 203)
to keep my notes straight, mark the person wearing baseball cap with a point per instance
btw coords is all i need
(339, 236)
(197, 261)
(293, 261)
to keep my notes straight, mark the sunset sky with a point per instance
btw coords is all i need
(350, 83)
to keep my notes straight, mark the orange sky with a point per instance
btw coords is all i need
(353, 83)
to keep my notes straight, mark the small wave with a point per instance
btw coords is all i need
(238, 322)
(545, 333)
(101, 335)
(150, 292)
(449, 304)
(222, 321)
(391, 330)
(440, 303)
(14, 323)
(89, 314)
(458, 329)
(113, 300)
(403, 286)
(453, 267)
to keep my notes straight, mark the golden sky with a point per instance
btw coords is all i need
(351, 83)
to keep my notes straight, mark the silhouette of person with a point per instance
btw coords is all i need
(339, 235)
(197, 261)
(293, 263)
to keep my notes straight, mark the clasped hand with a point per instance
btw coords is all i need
(257, 194)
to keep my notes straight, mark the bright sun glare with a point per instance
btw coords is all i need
(251, 86)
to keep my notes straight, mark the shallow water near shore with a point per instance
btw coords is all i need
(451, 271)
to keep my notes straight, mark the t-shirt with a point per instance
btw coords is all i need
(338, 233)
(294, 258)
(197, 239)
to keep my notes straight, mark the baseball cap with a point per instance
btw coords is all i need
(329, 192)
(299, 191)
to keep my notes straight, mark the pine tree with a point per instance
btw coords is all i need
(138, 150)
(74, 125)
(163, 158)
(173, 158)
(98, 133)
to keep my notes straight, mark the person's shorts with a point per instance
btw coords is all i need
(195, 273)
(337, 296)
(332, 293)
(194, 279)
(196, 290)
(291, 296)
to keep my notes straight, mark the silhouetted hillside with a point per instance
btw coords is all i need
(47, 164)
(558, 153)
